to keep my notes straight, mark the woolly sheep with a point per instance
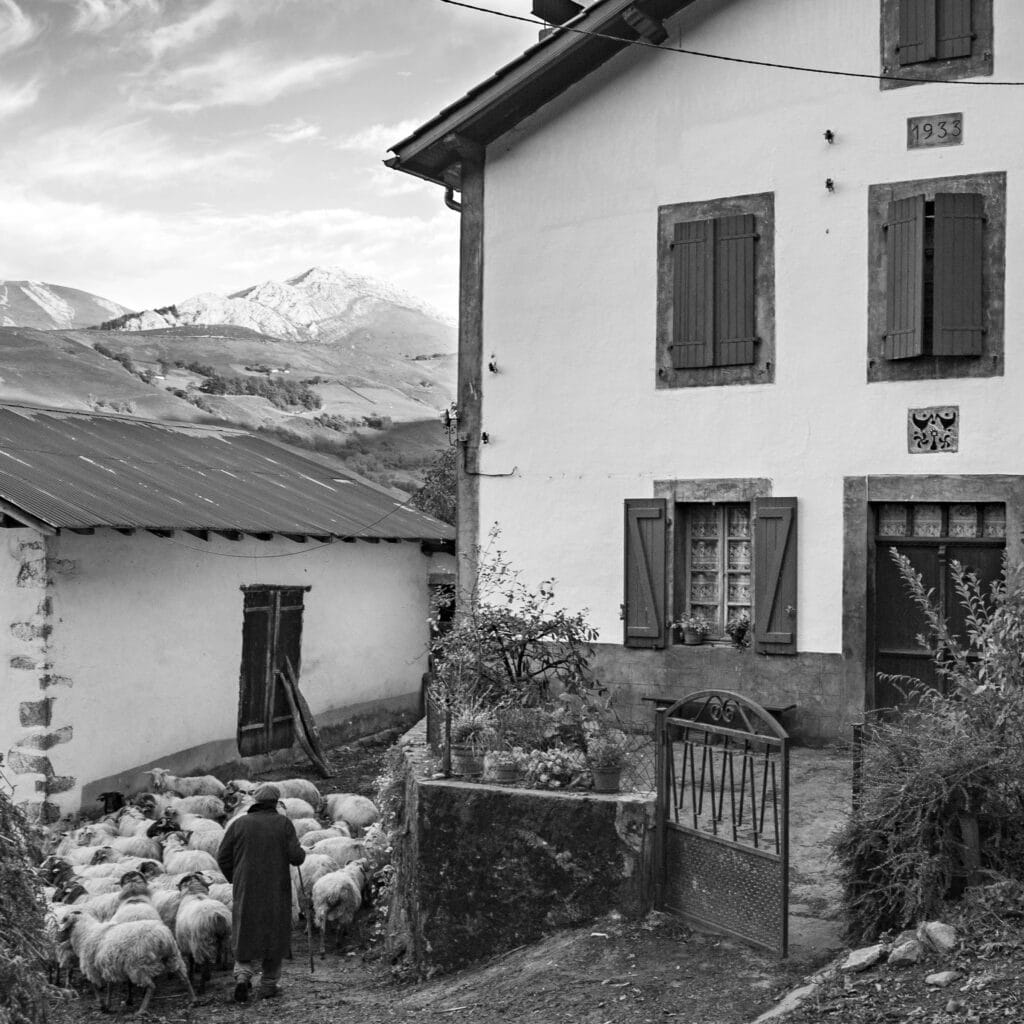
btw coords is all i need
(224, 892)
(304, 825)
(101, 908)
(64, 959)
(136, 951)
(136, 901)
(293, 807)
(315, 866)
(339, 829)
(152, 805)
(191, 785)
(166, 902)
(301, 789)
(179, 859)
(336, 898)
(203, 928)
(340, 849)
(132, 822)
(205, 806)
(359, 811)
(206, 840)
(136, 846)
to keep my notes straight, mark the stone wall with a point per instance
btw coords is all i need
(481, 868)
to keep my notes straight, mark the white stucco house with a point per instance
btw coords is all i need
(153, 578)
(736, 320)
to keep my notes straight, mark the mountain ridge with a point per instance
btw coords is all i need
(52, 307)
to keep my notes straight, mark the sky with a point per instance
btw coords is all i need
(156, 149)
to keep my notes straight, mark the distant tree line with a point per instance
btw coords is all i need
(280, 393)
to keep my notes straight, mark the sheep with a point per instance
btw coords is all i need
(132, 822)
(113, 868)
(336, 898)
(135, 951)
(136, 846)
(359, 811)
(204, 805)
(192, 785)
(240, 808)
(102, 908)
(292, 807)
(64, 959)
(304, 825)
(136, 901)
(207, 840)
(315, 866)
(301, 789)
(179, 859)
(203, 927)
(338, 829)
(152, 805)
(112, 801)
(340, 849)
(224, 892)
(167, 902)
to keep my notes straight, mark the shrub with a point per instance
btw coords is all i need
(437, 495)
(945, 765)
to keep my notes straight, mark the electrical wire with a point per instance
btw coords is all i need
(719, 56)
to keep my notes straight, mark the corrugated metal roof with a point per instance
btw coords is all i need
(77, 470)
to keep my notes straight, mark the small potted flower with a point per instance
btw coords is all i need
(505, 766)
(557, 768)
(693, 628)
(472, 732)
(606, 756)
(738, 629)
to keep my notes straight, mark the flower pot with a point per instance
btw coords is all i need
(691, 636)
(606, 780)
(467, 761)
(506, 774)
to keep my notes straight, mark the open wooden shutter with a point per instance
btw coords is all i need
(953, 34)
(255, 685)
(693, 284)
(643, 606)
(775, 568)
(904, 291)
(734, 290)
(288, 644)
(917, 31)
(959, 265)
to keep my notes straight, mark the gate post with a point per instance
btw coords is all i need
(660, 810)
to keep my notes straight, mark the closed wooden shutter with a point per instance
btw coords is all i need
(953, 34)
(693, 305)
(643, 606)
(775, 572)
(917, 31)
(959, 274)
(904, 293)
(734, 290)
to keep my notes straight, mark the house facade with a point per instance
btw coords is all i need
(156, 577)
(737, 322)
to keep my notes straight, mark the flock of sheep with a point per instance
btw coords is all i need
(137, 893)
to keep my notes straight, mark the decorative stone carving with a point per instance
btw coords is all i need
(933, 429)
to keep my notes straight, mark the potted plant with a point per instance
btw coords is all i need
(505, 766)
(606, 756)
(693, 628)
(738, 629)
(472, 732)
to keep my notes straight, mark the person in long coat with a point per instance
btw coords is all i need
(255, 857)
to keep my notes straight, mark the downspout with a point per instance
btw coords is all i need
(470, 366)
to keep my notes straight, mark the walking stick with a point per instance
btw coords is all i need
(307, 902)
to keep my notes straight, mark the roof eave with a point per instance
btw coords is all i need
(523, 86)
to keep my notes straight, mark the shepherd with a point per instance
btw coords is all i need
(255, 856)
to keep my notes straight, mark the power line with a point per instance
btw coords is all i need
(722, 57)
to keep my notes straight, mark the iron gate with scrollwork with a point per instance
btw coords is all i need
(723, 816)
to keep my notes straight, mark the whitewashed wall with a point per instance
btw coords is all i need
(147, 640)
(569, 290)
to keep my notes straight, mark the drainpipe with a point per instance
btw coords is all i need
(450, 201)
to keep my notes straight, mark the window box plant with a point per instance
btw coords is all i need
(693, 628)
(738, 629)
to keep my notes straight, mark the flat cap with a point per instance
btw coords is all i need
(266, 792)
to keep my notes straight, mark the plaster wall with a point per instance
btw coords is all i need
(148, 632)
(570, 259)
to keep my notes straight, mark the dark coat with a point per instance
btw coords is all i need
(255, 855)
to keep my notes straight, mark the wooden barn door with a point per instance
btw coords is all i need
(271, 632)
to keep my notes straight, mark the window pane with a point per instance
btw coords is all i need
(739, 588)
(963, 521)
(739, 554)
(995, 520)
(892, 521)
(739, 521)
(927, 520)
(704, 521)
(704, 554)
(703, 587)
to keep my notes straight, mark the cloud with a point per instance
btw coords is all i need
(243, 78)
(144, 259)
(199, 23)
(95, 155)
(97, 16)
(16, 27)
(377, 138)
(298, 130)
(386, 183)
(14, 99)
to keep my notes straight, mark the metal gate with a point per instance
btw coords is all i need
(723, 816)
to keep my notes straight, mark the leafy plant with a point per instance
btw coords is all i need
(473, 728)
(437, 495)
(738, 629)
(693, 623)
(558, 768)
(945, 764)
(607, 750)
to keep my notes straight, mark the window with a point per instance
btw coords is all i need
(716, 292)
(936, 265)
(271, 639)
(924, 40)
(728, 557)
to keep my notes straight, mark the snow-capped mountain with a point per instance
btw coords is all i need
(48, 307)
(322, 305)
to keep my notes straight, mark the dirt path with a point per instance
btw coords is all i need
(609, 971)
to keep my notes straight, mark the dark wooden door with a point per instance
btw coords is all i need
(932, 537)
(271, 632)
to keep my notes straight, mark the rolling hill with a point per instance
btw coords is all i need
(52, 306)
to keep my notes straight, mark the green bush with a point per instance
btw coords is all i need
(943, 765)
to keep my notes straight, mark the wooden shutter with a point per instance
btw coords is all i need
(953, 34)
(643, 606)
(734, 290)
(959, 265)
(904, 289)
(775, 568)
(917, 31)
(287, 644)
(693, 306)
(256, 678)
